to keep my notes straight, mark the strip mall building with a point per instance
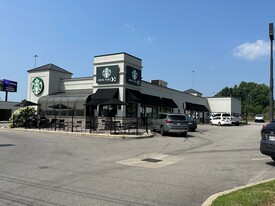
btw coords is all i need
(116, 77)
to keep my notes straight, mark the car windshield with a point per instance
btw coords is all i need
(226, 115)
(177, 117)
(189, 118)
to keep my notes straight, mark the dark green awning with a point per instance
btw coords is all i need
(169, 102)
(196, 107)
(102, 95)
(133, 96)
(152, 100)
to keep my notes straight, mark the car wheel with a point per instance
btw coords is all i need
(184, 134)
(193, 130)
(273, 158)
(211, 123)
(152, 128)
(219, 124)
(162, 132)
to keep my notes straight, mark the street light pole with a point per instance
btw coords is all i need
(271, 98)
(193, 78)
(35, 56)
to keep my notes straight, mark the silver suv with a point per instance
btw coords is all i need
(170, 123)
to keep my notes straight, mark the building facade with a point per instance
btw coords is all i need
(115, 89)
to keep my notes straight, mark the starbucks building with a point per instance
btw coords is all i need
(114, 90)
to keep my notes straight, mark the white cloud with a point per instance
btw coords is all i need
(213, 67)
(136, 33)
(149, 39)
(252, 51)
(130, 27)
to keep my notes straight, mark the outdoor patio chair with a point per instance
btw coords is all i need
(78, 125)
(61, 124)
(53, 123)
(105, 124)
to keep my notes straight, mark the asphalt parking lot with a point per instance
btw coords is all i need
(59, 169)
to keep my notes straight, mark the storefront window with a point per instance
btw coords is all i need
(108, 110)
(63, 109)
(65, 104)
(79, 109)
(166, 110)
(131, 110)
(151, 111)
(42, 109)
(49, 108)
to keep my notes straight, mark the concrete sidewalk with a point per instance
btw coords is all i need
(86, 132)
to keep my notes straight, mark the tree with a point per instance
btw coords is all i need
(254, 97)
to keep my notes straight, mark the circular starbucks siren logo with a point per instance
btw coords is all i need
(134, 75)
(37, 86)
(106, 73)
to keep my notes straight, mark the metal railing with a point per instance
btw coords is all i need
(114, 125)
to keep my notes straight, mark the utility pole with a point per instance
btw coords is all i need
(271, 100)
(193, 79)
(35, 56)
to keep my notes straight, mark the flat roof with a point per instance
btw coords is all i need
(117, 54)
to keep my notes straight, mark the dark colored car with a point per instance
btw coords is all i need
(268, 140)
(192, 123)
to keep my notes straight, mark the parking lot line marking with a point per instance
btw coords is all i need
(259, 159)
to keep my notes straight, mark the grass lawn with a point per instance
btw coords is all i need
(258, 195)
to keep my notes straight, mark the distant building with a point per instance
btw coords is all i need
(225, 105)
(6, 109)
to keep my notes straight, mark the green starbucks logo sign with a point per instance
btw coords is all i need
(37, 86)
(106, 73)
(134, 75)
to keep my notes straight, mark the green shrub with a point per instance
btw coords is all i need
(20, 116)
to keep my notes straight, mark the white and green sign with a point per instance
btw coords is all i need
(37, 86)
(133, 76)
(107, 74)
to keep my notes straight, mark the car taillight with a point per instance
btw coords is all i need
(168, 121)
(264, 136)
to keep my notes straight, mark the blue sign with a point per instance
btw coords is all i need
(9, 86)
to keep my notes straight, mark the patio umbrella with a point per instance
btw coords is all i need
(113, 102)
(26, 103)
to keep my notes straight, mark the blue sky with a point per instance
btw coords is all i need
(223, 42)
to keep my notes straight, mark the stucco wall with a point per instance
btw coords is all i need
(224, 104)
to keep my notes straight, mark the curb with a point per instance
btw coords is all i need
(102, 135)
(213, 197)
